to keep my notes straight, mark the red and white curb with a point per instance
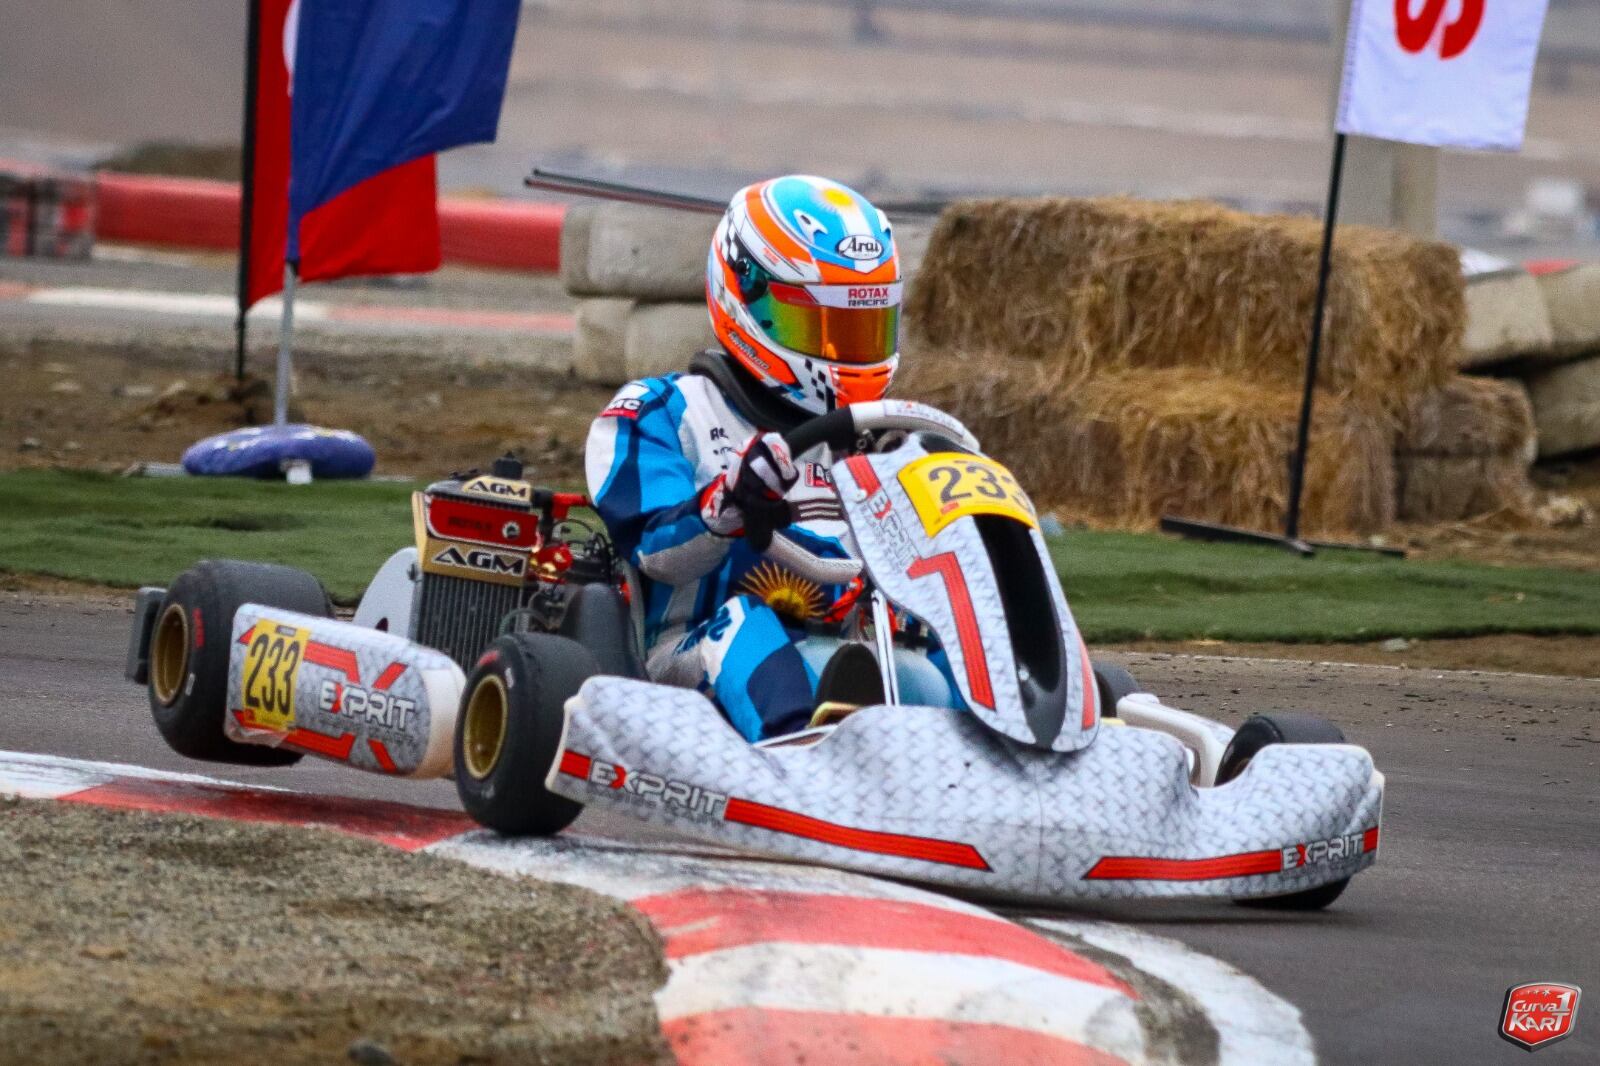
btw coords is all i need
(306, 312)
(783, 964)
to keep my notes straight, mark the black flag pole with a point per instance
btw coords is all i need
(1290, 538)
(247, 151)
(1297, 465)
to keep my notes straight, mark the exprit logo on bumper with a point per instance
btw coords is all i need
(655, 789)
(1317, 852)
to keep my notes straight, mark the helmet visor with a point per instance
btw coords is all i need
(794, 317)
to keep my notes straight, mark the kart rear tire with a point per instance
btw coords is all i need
(1282, 727)
(1112, 683)
(190, 645)
(509, 730)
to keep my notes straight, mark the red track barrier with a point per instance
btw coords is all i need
(185, 212)
(500, 233)
(189, 213)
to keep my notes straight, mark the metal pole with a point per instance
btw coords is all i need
(247, 172)
(280, 398)
(1297, 466)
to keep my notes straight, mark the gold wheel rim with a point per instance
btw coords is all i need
(483, 734)
(169, 653)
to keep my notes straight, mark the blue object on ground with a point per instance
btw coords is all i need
(261, 451)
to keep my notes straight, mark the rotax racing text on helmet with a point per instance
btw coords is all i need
(804, 288)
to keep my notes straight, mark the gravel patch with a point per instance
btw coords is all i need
(134, 938)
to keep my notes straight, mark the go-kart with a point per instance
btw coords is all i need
(1040, 777)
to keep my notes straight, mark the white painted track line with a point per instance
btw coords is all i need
(1253, 1025)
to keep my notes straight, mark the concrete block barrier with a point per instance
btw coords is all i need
(1506, 319)
(1572, 300)
(597, 343)
(1566, 407)
(642, 253)
(658, 254)
(662, 337)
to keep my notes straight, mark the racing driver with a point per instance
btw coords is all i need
(803, 285)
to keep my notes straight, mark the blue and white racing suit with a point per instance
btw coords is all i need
(650, 454)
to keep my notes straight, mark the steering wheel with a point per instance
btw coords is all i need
(840, 429)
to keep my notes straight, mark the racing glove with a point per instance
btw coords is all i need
(749, 496)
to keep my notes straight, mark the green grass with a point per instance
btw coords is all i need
(143, 531)
(1125, 586)
(131, 531)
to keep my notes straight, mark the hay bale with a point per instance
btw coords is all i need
(1566, 407)
(1506, 319)
(1471, 416)
(1449, 488)
(1572, 300)
(1118, 284)
(598, 341)
(1125, 447)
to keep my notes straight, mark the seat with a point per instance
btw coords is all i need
(598, 619)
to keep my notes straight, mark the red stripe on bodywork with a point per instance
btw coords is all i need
(321, 744)
(970, 637)
(341, 659)
(390, 675)
(860, 468)
(380, 751)
(695, 921)
(575, 765)
(926, 849)
(1244, 864)
(1091, 690)
(762, 1036)
(304, 739)
(397, 824)
(1128, 868)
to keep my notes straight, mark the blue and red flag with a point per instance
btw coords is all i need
(351, 100)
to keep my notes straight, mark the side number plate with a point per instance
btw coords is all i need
(271, 668)
(948, 485)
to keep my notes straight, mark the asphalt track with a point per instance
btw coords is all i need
(1487, 877)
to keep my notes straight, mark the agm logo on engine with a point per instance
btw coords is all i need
(482, 560)
(499, 486)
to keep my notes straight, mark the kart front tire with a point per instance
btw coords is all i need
(190, 646)
(509, 732)
(1283, 727)
(1112, 683)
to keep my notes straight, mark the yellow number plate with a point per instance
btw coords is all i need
(271, 668)
(946, 486)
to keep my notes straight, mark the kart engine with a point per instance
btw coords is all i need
(487, 550)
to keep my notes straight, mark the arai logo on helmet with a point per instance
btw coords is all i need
(860, 247)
